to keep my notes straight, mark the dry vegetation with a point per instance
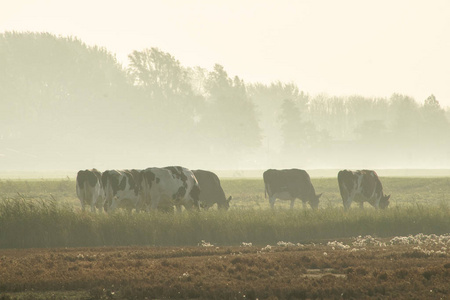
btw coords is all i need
(352, 270)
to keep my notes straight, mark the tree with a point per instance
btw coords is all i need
(229, 122)
(404, 120)
(165, 98)
(371, 133)
(299, 136)
(159, 73)
(54, 91)
(268, 100)
(435, 129)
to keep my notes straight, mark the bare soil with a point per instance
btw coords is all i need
(310, 271)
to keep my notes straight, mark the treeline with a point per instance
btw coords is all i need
(64, 104)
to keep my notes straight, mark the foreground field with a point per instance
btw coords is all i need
(415, 267)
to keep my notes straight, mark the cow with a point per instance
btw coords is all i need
(122, 189)
(175, 184)
(361, 186)
(90, 189)
(211, 190)
(290, 184)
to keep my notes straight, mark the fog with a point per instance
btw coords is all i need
(65, 105)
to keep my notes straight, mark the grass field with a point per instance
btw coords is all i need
(46, 213)
(49, 249)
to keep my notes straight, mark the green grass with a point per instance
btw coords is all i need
(46, 213)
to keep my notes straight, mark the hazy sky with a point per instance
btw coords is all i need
(371, 48)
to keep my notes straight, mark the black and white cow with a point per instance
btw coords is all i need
(211, 190)
(175, 184)
(361, 186)
(90, 189)
(122, 189)
(289, 185)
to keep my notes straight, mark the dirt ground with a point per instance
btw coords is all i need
(354, 269)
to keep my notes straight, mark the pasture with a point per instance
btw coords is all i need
(46, 213)
(49, 249)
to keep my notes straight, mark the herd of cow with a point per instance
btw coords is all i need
(164, 188)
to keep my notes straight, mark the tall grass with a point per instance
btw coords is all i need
(46, 213)
(27, 222)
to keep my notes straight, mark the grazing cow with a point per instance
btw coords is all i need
(175, 184)
(360, 186)
(290, 185)
(122, 189)
(90, 189)
(211, 190)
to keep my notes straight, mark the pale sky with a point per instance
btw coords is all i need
(370, 48)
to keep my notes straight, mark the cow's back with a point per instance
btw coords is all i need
(370, 183)
(300, 182)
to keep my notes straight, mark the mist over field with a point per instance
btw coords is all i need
(68, 106)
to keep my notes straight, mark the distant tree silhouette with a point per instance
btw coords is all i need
(229, 120)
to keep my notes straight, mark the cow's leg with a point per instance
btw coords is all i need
(99, 204)
(154, 201)
(272, 201)
(137, 205)
(361, 205)
(178, 207)
(292, 203)
(304, 204)
(348, 201)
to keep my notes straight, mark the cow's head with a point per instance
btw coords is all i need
(384, 201)
(225, 204)
(195, 196)
(314, 202)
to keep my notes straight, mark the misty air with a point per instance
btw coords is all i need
(236, 150)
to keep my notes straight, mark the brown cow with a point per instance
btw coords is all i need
(211, 190)
(290, 185)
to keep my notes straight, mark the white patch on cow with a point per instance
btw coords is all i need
(124, 194)
(166, 187)
(357, 192)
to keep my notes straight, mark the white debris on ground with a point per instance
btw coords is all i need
(244, 244)
(266, 248)
(422, 239)
(205, 244)
(285, 244)
(337, 245)
(423, 243)
(367, 240)
(427, 244)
